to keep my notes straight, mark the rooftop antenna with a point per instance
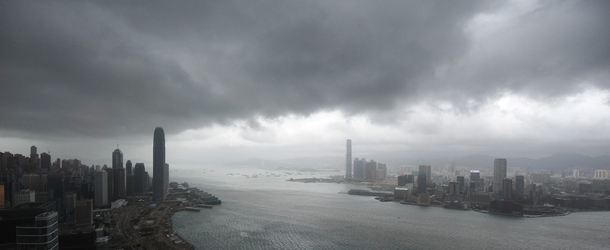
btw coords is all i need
(48, 150)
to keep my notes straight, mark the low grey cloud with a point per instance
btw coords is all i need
(102, 69)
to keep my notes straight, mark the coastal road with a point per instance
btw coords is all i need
(123, 224)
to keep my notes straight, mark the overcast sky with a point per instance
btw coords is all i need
(230, 80)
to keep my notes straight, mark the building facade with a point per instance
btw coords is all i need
(499, 175)
(348, 160)
(44, 234)
(427, 171)
(159, 187)
(100, 185)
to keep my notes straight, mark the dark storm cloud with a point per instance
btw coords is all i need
(107, 69)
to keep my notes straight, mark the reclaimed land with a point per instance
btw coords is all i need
(148, 225)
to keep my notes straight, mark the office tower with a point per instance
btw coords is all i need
(129, 178)
(2, 206)
(10, 187)
(118, 176)
(575, 173)
(83, 213)
(117, 159)
(475, 175)
(44, 234)
(128, 168)
(460, 180)
(475, 178)
(140, 184)
(359, 165)
(507, 189)
(427, 171)
(56, 192)
(370, 171)
(100, 184)
(33, 153)
(348, 160)
(110, 183)
(45, 161)
(403, 180)
(382, 171)
(421, 182)
(119, 183)
(532, 194)
(499, 175)
(166, 177)
(159, 189)
(519, 187)
(454, 188)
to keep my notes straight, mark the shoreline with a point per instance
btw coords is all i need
(149, 224)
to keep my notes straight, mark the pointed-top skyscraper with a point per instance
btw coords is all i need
(159, 188)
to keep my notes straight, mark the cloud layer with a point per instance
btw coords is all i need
(109, 69)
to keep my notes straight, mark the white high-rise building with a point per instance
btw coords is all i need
(100, 183)
(575, 173)
(24, 196)
(499, 175)
(601, 174)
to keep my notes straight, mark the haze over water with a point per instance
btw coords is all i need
(272, 213)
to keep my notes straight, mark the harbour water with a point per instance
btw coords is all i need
(268, 212)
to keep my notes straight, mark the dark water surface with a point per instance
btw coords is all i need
(270, 213)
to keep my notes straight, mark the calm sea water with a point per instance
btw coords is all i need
(270, 213)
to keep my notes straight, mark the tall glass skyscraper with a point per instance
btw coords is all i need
(159, 187)
(499, 174)
(117, 159)
(348, 160)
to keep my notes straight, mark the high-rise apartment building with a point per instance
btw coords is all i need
(370, 171)
(159, 175)
(575, 173)
(348, 160)
(601, 174)
(499, 175)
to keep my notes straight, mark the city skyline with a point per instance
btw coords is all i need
(264, 80)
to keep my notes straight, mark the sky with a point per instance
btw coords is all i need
(232, 80)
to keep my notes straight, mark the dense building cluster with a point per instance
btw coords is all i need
(493, 190)
(68, 191)
(362, 170)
